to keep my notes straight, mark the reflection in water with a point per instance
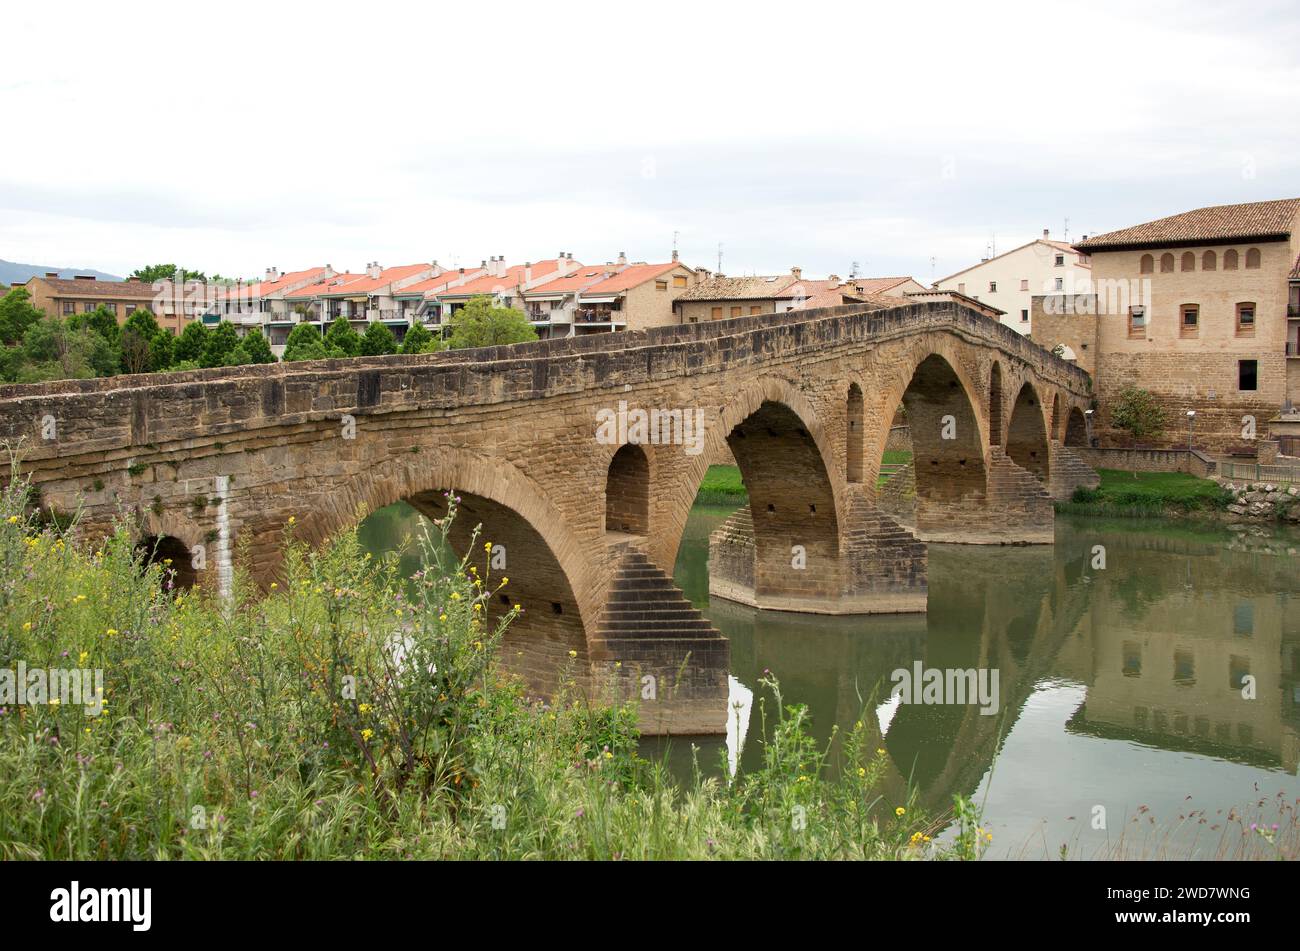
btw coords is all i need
(1164, 688)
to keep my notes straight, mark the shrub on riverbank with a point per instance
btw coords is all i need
(1139, 494)
(339, 717)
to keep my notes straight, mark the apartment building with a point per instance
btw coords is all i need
(506, 284)
(1010, 280)
(610, 297)
(1201, 308)
(63, 297)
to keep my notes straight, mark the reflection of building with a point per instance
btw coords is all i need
(1169, 672)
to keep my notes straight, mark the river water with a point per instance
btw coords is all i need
(1148, 685)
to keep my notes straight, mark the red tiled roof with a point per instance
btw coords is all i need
(420, 288)
(631, 276)
(514, 276)
(577, 280)
(739, 288)
(263, 288)
(316, 290)
(66, 287)
(386, 277)
(1253, 220)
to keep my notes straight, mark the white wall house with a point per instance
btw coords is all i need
(1008, 281)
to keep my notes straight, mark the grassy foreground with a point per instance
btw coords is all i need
(338, 718)
(1146, 494)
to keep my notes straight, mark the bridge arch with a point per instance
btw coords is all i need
(1027, 441)
(627, 491)
(948, 429)
(550, 573)
(1076, 429)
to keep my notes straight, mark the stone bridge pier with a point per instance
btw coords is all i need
(590, 517)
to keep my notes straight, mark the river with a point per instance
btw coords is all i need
(1122, 726)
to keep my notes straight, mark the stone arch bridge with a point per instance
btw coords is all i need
(583, 457)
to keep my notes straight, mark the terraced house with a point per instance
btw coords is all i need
(63, 297)
(610, 297)
(1203, 309)
(718, 297)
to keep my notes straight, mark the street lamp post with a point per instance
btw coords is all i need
(1191, 425)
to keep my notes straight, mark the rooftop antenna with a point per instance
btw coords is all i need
(719, 257)
(853, 271)
(675, 234)
(933, 262)
(1066, 238)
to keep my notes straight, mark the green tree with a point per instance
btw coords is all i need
(162, 352)
(419, 340)
(16, 315)
(53, 349)
(220, 346)
(135, 351)
(304, 343)
(342, 338)
(192, 342)
(480, 323)
(378, 340)
(258, 350)
(143, 322)
(101, 320)
(165, 272)
(1138, 413)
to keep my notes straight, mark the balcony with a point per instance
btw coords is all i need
(1292, 350)
(597, 317)
(1293, 311)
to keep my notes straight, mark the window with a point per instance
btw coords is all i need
(1190, 322)
(1252, 258)
(88, 307)
(1243, 620)
(1060, 284)
(1137, 321)
(1230, 259)
(1246, 319)
(993, 287)
(1166, 264)
(1024, 316)
(755, 310)
(1189, 261)
(1209, 261)
(735, 312)
(961, 288)
(1147, 265)
(69, 307)
(1024, 284)
(1184, 668)
(1132, 659)
(1248, 375)
(679, 280)
(1060, 260)
(716, 313)
(661, 285)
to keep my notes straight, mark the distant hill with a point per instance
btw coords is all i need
(11, 272)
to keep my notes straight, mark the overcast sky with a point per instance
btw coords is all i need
(230, 137)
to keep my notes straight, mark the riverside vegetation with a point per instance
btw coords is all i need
(351, 712)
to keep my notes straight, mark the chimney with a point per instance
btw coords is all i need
(834, 278)
(1046, 232)
(84, 277)
(51, 273)
(528, 272)
(373, 270)
(272, 274)
(674, 255)
(622, 258)
(797, 272)
(1085, 237)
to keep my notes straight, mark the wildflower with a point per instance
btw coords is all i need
(442, 617)
(517, 607)
(573, 653)
(880, 752)
(111, 632)
(505, 581)
(13, 519)
(608, 755)
(900, 811)
(988, 836)
(79, 598)
(81, 658)
(363, 708)
(54, 701)
(274, 586)
(292, 520)
(338, 592)
(455, 595)
(861, 772)
(367, 733)
(27, 625)
(487, 546)
(478, 607)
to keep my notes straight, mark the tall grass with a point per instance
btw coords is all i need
(353, 713)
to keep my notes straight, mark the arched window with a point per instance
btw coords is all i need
(1148, 264)
(853, 469)
(1230, 259)
(1189, 261)
(1252, 258)
(1166, 263)
(1209, 261)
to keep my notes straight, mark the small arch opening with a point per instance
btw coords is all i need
(178, 563)
(627, 492)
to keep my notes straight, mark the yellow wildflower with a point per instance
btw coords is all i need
(455, 595)
(112, 631)
(367, 733)
(573, 653)
(13, 519)
(900, 811)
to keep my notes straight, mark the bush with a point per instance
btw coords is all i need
(352, 713)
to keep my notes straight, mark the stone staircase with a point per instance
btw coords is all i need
(649, 629)
(1069, 471)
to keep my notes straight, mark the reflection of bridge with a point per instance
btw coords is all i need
(803, 401)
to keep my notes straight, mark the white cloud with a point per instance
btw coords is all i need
(237, 136)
